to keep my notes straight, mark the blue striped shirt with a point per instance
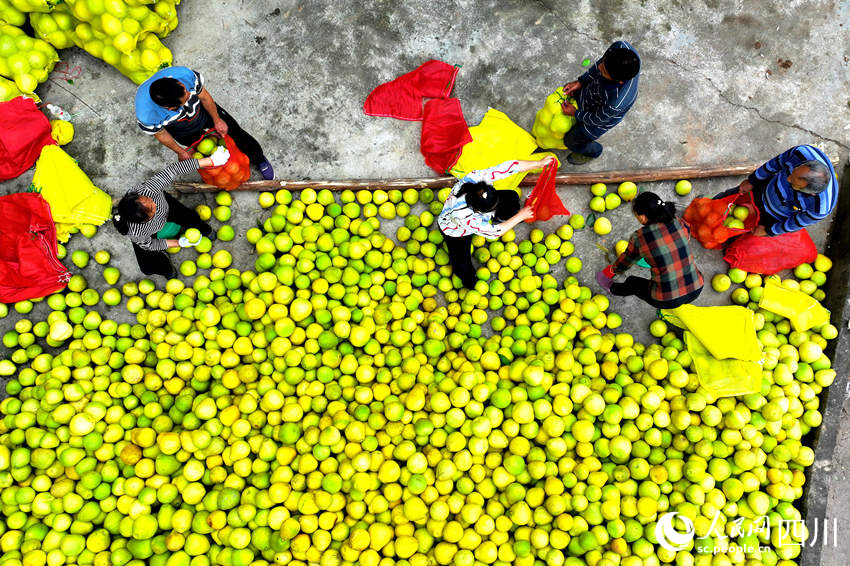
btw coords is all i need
(792, 209)
(602, 104)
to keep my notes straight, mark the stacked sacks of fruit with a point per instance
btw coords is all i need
(550, 123)
(24, 59)
(125, 35)
(11, 15)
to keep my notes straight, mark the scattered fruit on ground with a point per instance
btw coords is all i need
(627, 191)
(683, 187)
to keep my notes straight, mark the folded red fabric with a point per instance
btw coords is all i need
(402, 97)
(444, 133)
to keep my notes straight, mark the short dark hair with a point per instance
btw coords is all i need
(817, 178)
(129, 210)
(166, 92)
(656, 210)
(480, 196)
(621, 63)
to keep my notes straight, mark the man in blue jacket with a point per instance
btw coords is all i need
(604, 94)
(175, 107)
(793, 190)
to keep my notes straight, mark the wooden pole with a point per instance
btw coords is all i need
(588, 178)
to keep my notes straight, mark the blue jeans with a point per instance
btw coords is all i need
(579, 142)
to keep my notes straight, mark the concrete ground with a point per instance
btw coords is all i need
(721, 82)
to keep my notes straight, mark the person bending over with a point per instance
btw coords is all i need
(154, 219)
(663, 242)
(474, 206)
(175, 107)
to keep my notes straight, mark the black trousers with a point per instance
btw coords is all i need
(460, 249)
(640, 287)
(158, 262)
(578, 142)
(243, 140)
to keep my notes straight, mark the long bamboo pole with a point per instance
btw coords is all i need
(634, 175)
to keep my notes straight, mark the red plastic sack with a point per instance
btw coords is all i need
(771, 254)
(705, 217)
(444, 133)
(543, 198)
(29, 263)
(236, 171)
(24, 130)
(401, 98)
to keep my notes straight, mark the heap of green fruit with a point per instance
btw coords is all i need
(345, 403)
(550, 122)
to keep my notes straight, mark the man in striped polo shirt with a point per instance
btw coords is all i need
(793, 190)
(174, 106)
(604, 94)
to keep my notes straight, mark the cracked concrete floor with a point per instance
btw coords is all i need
(723, 81)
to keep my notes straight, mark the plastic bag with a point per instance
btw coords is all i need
(543, 198)
(29, 264)
(24, 130)
(771, 254)
(550, 122)
(236, 171)
(73, 198)
(802, 310)
(706, 218)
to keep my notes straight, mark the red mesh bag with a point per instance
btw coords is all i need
(706, 218)
(24, 130)
(236, 171)
(771, 254)
(543, 200)
(29, 263)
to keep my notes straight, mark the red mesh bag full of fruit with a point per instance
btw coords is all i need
(236, 171)
(713, 221)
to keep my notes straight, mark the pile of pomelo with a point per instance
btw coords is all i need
(346, 403)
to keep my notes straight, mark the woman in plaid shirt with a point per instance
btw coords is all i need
(663, 243)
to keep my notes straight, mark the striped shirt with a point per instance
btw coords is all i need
(457, 219)
(673, 271)
(152, 117)
(144, 234)
(602, 104)
(793, 210)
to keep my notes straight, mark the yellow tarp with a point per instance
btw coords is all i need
(723, 344)
(73, 198)
(495, 140)
(802, 310)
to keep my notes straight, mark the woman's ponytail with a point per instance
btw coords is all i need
(128, 210)
(656, 210)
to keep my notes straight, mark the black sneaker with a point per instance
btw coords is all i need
(579, 159)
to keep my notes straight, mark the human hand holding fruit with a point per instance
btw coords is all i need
(220, 156)
(568, 108)
(185, 242)
(745, 186)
